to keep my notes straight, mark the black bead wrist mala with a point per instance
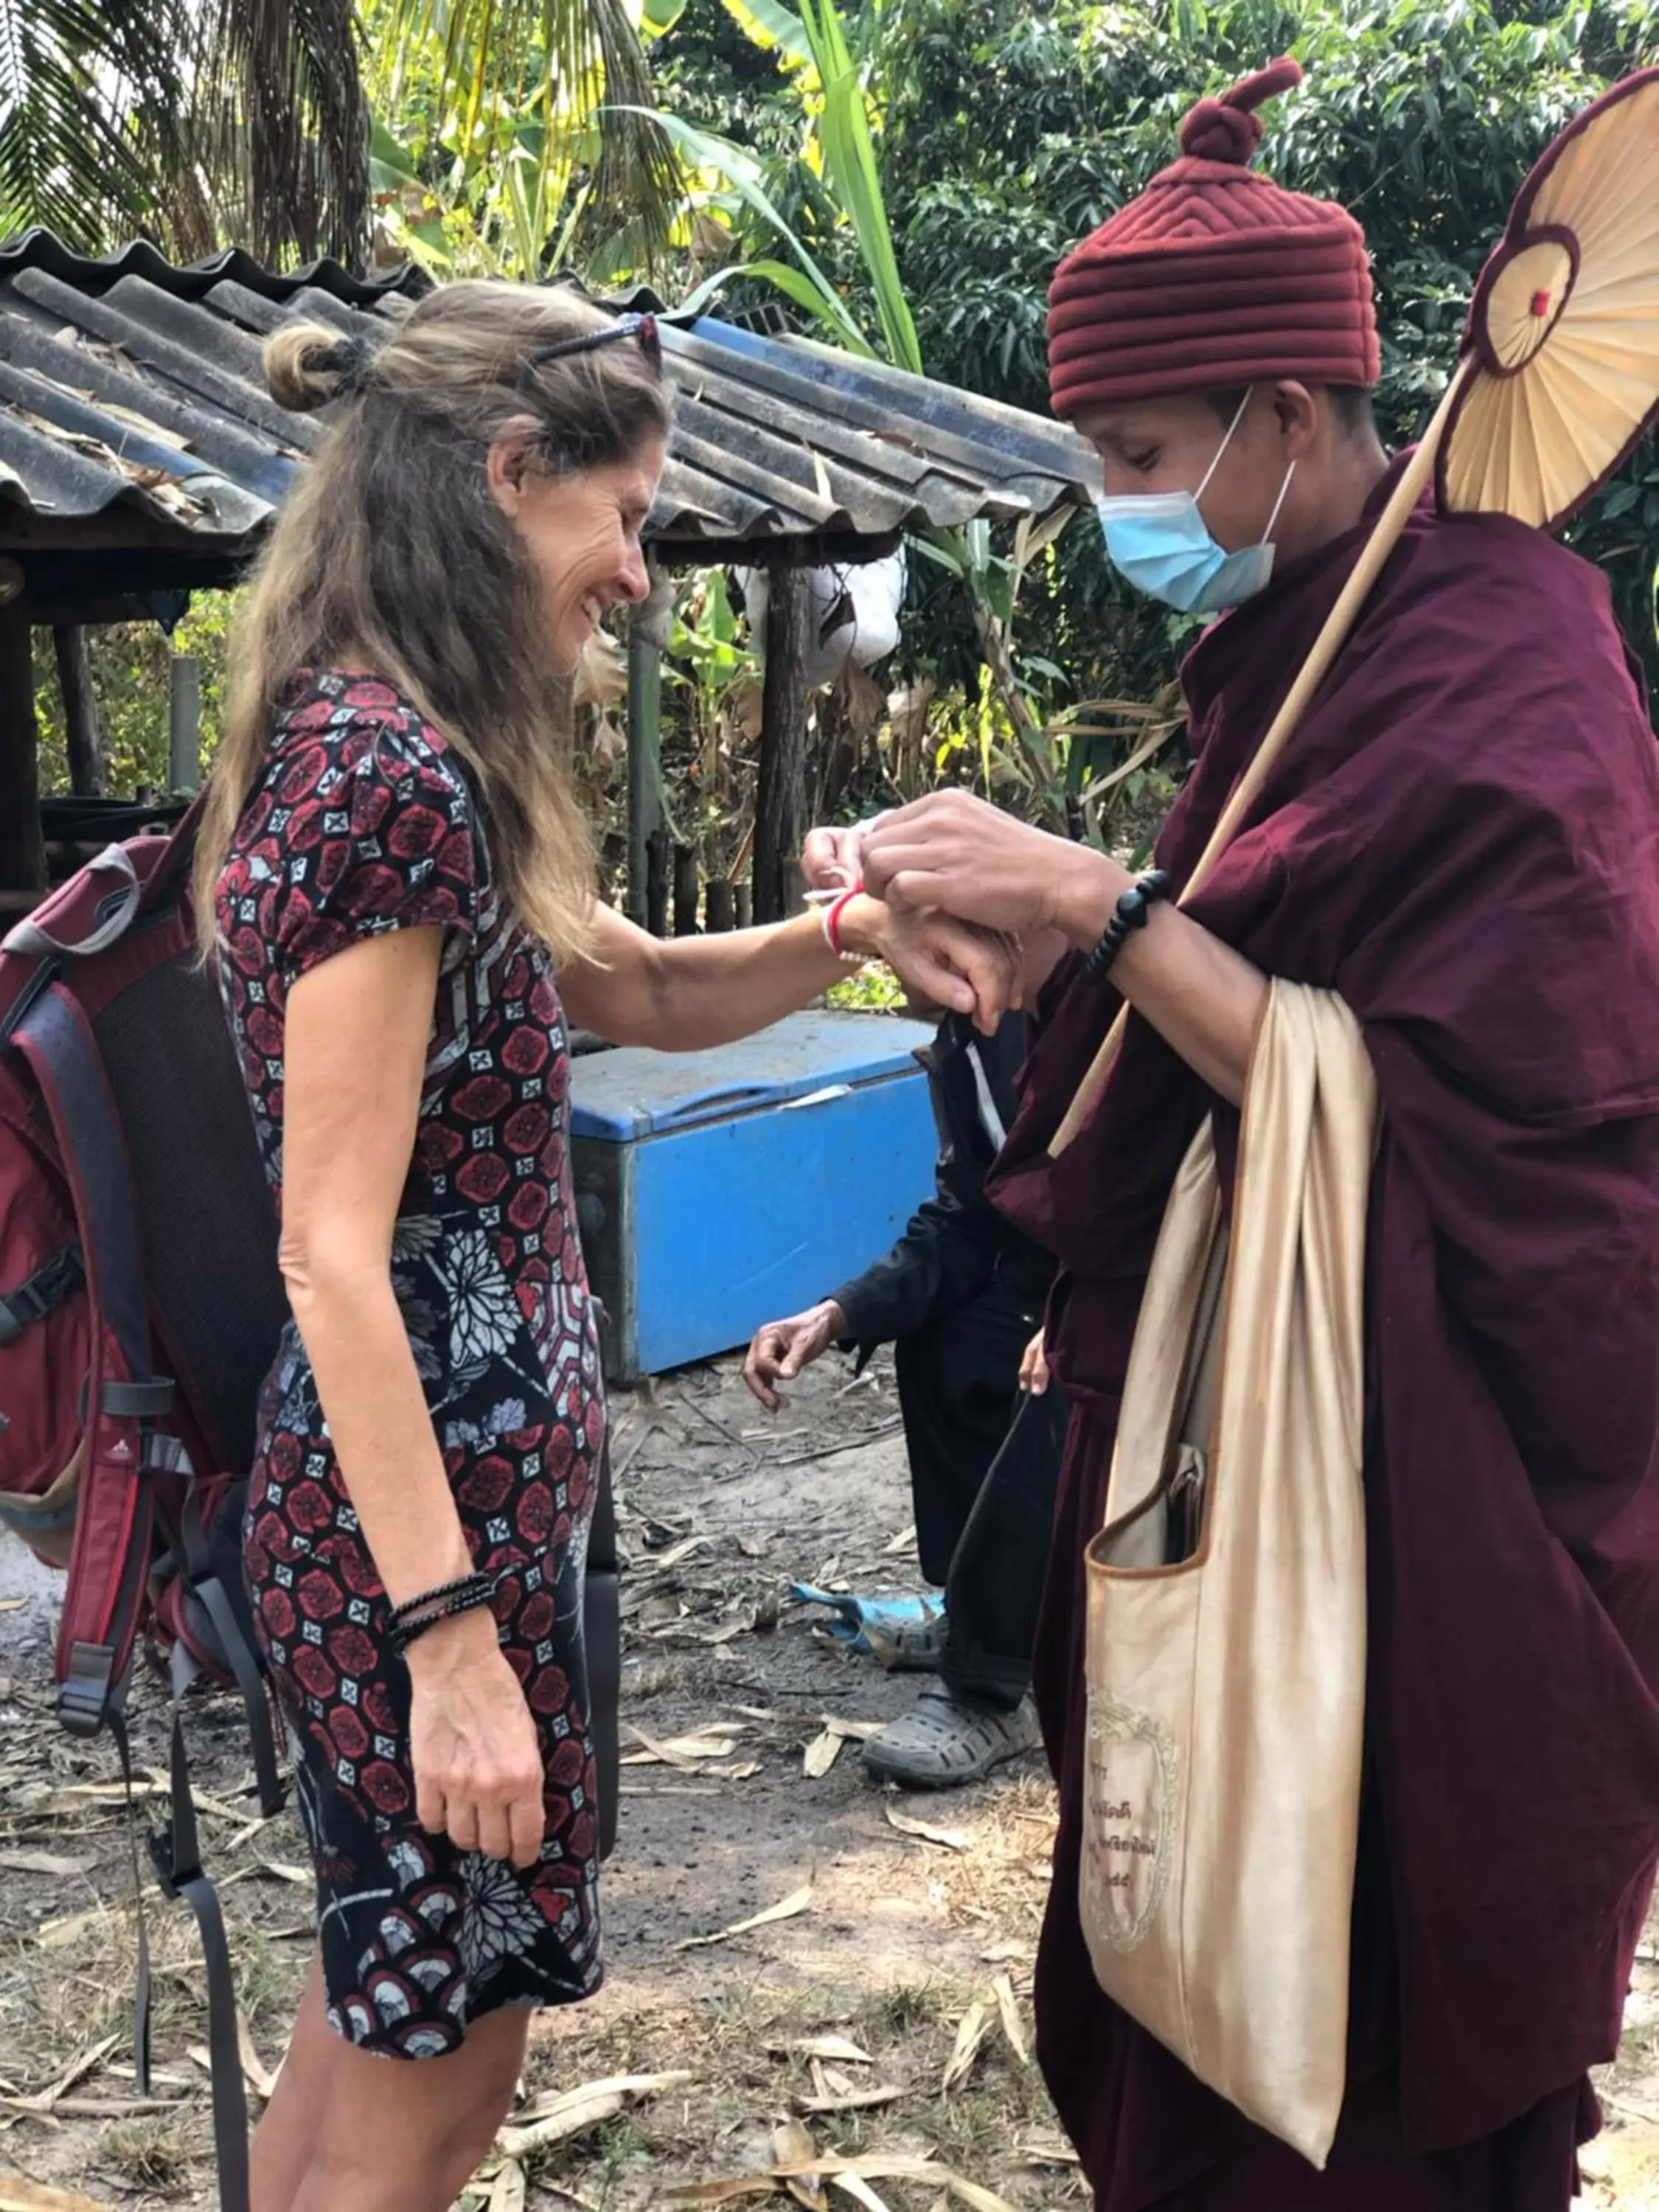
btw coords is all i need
(416, 1614)
(1132, 912)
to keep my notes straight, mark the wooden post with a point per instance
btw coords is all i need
(22, 849)
(685, 890)
(780, 797)
(87, 775)
(648, 627)
(656, 882)
(743, 904)
(184, 723)
(718, 905)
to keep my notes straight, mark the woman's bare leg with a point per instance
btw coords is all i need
(282, 2139)
(346, 2131)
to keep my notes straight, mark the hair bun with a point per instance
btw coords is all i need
(308, 365)
(1229, 129)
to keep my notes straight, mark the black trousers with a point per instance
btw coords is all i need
(984, 1466)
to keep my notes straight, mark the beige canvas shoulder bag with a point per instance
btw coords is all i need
(1226, 1599)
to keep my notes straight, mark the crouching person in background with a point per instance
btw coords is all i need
(960, 1297)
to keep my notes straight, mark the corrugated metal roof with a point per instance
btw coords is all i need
(133, 414)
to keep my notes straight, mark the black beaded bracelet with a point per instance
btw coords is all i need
(1131, 913)
(416, 1614)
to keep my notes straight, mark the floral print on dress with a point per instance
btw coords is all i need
(362, 822)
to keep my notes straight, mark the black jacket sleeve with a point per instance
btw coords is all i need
(950, 1251)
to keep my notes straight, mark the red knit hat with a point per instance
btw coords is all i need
(1213, 277)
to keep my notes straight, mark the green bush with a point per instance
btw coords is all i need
(130, 682)
(1011, 132)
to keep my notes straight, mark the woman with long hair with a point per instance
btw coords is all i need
(396, 884)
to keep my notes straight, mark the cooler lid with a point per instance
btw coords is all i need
(634, 1091)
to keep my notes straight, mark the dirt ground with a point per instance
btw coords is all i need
(880, 2014)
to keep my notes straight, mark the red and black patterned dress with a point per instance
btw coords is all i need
(362, 821)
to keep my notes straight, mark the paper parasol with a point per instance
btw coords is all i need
(1557, 384)
(1565, 323)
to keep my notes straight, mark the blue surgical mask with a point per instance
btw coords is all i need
(1160, 542)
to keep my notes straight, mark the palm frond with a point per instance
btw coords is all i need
(88, 88)
(579, 66)
(282, 123)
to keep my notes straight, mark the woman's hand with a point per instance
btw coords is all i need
(478, 1772)
(955, 852)
(1034, 1368)
(939, 960)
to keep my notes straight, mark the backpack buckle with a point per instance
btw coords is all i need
(170, 1878)
(83, 1695)
(45, 1289)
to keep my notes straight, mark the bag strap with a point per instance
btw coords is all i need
(140, 1986)
(203, 1586)
(114, 1530)
(30, 939)
(176, 1853)
(1198, 1423)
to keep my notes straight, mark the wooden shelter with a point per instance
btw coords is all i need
(141, 458)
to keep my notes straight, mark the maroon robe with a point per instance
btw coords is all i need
(1462, 839)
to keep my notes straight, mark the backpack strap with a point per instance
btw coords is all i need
(30, 938)
(177, 1856)
(201, 1586)
(141, 1987)
(115, 1520)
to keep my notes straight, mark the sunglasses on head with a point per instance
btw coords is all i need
(640, 327)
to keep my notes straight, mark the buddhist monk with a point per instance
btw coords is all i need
(1462, 841)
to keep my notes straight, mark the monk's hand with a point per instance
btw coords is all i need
(832, 859)
(1034, 1368)
(940, 960)
(782, 1348)
(952, 852)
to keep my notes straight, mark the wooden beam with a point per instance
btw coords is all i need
(184, 722)
(88, 778)
(22, 849)
(86, 610)
(657, 867)
(780, 796)
(647, 635)
(686, 890)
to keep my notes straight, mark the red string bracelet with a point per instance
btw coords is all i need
(830, 916)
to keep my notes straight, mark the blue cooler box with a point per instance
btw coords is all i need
(719, 1189)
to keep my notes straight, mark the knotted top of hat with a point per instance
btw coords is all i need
(1215, 277)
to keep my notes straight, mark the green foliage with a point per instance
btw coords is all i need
(867, 991)
(527, 117)
(709, 67)
(1012, 132)
(130, 682)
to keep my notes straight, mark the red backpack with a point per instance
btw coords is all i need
(140, 1309)
(140, 1306)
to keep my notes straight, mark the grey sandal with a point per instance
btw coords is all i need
(945, 1740)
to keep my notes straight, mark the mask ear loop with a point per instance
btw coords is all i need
(1222, 448)
(1284, 493)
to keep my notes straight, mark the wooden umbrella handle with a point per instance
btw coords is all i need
(1329, 643)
